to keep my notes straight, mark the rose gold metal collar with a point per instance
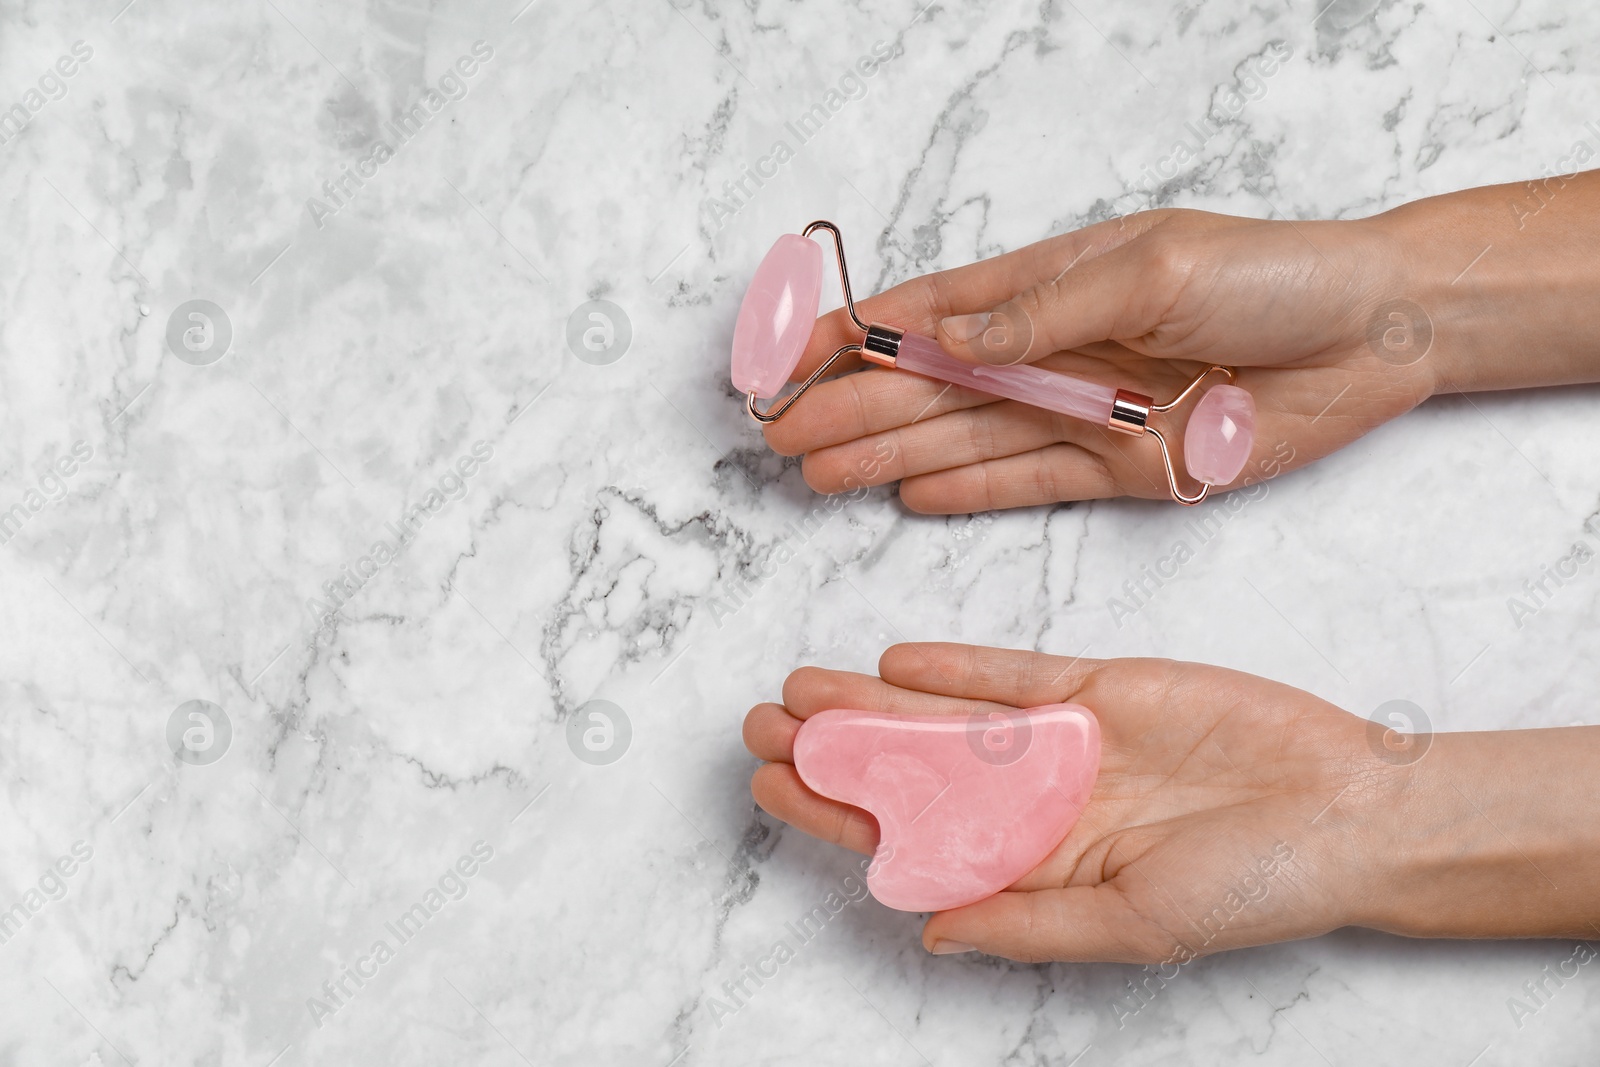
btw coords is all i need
(1130, 414)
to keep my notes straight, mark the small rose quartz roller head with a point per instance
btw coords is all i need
(780, 309)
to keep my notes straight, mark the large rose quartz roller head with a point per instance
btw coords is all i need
(1222, 427)
(779, 311)
(776, 317)
(965, 805)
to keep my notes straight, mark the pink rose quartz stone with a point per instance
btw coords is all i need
(777, 315)
(1221, 430)
(965, 806)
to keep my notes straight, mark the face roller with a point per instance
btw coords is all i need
(780, 309)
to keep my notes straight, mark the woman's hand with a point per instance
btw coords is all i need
(1144, 303)
(1232, 811)
(1335, 327)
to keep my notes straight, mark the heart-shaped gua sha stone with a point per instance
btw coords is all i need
(965, 805)
(776, 316)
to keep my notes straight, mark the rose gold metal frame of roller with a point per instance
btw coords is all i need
(1130, 411)
(1130, 414)
(850, 305)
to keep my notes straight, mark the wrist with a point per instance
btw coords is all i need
(1493, 834)
(1505, 280)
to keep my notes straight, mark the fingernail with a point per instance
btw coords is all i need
(965, 327)
(950, 948)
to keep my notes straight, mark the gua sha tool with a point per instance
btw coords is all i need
(780, 308)
(965, 806)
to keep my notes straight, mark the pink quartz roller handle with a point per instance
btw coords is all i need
(1020, 382)
(1217, 442)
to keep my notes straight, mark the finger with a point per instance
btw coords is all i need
(810, 690)
(1047, 475)
(1014, 677)
(876, 400)
(1133, 466)
(952, 440)
(1083, 924)
(857, 405)
(918, 305)
(769, 732)
(1091, 462)
(1120, 295)
(889, 426)
(780, 792)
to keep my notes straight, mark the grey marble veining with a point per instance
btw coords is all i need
(402, 415)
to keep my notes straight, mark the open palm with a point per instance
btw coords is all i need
(1227, 811)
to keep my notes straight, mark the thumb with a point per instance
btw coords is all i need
(1123, 293)
(1083, 924)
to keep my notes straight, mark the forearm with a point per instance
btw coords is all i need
(1509, 279)
(1494, 835)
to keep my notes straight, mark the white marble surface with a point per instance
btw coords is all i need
(582, 560)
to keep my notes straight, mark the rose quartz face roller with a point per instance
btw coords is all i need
(965, 805)
(780, 309)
